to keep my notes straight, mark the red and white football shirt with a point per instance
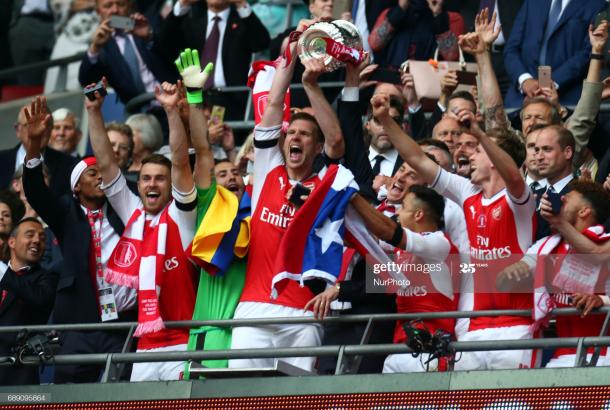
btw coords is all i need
(434, 262)
(500, 230)
(271, 215)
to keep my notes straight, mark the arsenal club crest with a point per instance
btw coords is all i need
(125, 254)
(496, 213)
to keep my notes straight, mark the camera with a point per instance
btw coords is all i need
(43, 345)
(421, 340)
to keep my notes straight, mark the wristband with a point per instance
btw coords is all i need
(194, 95)
(595, 56)
(397, 237)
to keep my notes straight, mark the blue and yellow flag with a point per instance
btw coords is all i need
(224, 232)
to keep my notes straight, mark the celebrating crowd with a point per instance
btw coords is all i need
(501, 194)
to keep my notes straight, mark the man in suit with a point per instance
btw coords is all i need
(129, 60)
(226, 33)
(87, 229)
(28, 292)
(554, 153)
(364, 15)
(383, 157)
(58, 163)
(554, 33)
(31, 37)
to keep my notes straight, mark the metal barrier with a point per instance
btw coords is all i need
(348, 356)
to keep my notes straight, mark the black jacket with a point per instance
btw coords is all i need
(29, 301)
(241, 38)
(112, 65)
(60, 166)
(76, 301)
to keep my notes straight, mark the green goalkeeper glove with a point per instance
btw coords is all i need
(193, 78)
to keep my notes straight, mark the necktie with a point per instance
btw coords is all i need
(554, 14)
(377, 165)
(535, 186)
(130, 57)
(490, 5)
(210, 50)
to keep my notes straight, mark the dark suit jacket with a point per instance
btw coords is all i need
(29, 301)
(60, 166)
(76, 301)
(568, 49)
(242, 37)
(110, 63)
(543, 228)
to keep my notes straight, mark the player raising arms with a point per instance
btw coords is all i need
(499, 211)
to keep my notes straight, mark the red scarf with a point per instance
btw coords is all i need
(137, 261)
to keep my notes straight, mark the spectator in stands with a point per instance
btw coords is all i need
(382, 155)
(129, 60)
(542, 109)
(583, 209)
(447, 130)
(226, 33)
(28, 292)
(306, 137)
(147, 138)
(495, 175)
(218, 183)
(533, 179)
(73, 38)
(31, 38)
(121, 140)
(554, 34)
(406, 31)
(66, 133)
(87, 229)
(440, 152)
(52, 255)
(448, 49)
(59, 164)
(364, 15)
(11, 211)
(506, 13)
(554, 152)
(163, 275)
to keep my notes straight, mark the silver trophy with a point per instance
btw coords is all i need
(312, 43)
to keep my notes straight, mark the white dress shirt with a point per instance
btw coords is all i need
(35, 6)
(244, 12)
(388, 162)
(148, 79)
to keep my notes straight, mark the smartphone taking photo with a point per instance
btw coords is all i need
(544, 76)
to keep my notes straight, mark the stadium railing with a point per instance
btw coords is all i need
(348, 356)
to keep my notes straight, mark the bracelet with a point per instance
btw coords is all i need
(595, 56)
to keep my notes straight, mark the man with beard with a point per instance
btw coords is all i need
(499, 211)
(87, 229)
(276, 170)
(159, 227)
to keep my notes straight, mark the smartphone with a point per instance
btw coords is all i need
(218, 114)
(385, 75)
(555, 200)
(298, 191)
(602, 15)
(544, 76)
(122, 23)
(466, 77)
(90, 91)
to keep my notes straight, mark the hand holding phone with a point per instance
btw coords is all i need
(544, 77)
(122, 23)
(90, 91)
